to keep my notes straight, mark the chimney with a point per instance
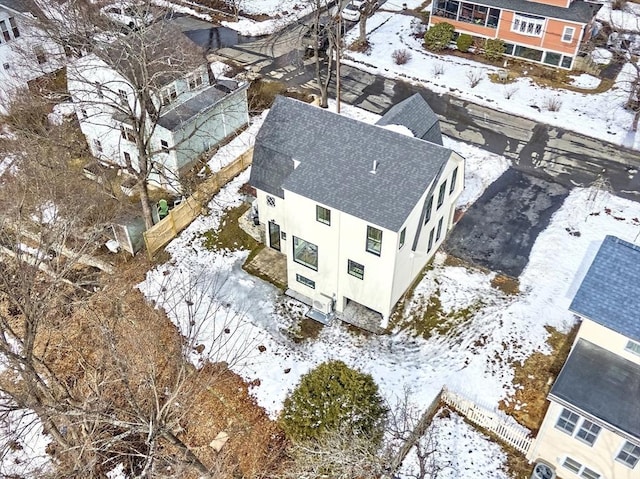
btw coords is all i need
(374, 170)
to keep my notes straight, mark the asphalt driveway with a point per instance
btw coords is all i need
(499, 230)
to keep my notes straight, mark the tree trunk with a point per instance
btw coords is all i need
(362, 39)
(144, 202)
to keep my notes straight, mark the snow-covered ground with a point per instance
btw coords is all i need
(252, 326)
(598, 115)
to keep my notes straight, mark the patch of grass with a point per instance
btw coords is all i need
(534, 378)
(506, 284)
(434, 320)
(229, 235)
(306, 329)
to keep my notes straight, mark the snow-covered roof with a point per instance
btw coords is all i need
(610, 292)
(601, 384)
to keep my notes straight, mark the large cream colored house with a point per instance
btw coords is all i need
(358, 209)
(592, 427)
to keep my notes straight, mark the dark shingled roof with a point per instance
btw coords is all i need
(610, 291)
(19, 6)
(602, 384)
(417, 115)
(579, 11)
(184, 112)
(336, 157)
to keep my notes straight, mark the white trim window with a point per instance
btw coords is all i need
(528, 25)
(305, 253)
(567, 34)
(587, 431)
(195, 81)
(633, 347)
(168, 95)
(629, 454)
(580, 469)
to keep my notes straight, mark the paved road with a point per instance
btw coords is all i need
(549, 152)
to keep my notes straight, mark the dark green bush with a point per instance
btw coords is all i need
(439, 36)
(494, 49)
(330, 397)
(464, 42)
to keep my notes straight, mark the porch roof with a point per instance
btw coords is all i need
(601, 384)
(579, 11)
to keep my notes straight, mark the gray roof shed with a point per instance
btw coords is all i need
(601, 384)
(610, 291)
(416, 114)
(336, 157)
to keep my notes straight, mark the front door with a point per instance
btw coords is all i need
(274, 235)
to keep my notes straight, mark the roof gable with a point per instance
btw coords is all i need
(336, 156)
(416, 114)
(610, 292)
(601, 384)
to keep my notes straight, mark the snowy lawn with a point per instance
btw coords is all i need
(483, 331)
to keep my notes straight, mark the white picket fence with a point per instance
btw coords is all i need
(503, 426)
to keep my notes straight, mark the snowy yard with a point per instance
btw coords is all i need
(252, 328)
(598, 115)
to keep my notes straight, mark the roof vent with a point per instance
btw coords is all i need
(374, 170)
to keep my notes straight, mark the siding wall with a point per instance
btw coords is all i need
(608, 339)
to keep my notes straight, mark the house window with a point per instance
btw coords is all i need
(431, 234)
(14, 27)
(439, 231)
(323, 215)
(271, 201)
(454, 177)
(97, 147)
(567, 34)
(83, 114)
(5, 30)
(6, 66)
(305, 253)
(527, 25)
(167, 95)
(306, 281)
(443, 189)
(122, 97)
(403, 235)
(127, 134)
(41, 57)
(355, 269)
(577, 468)
(567, 421)
(374, 240)
(429, 208)
(127, 158)
(629, 454)
(588, 432)
(164, 145)
(633, 347)
(195, 81)
(573, 466)
(99, 90)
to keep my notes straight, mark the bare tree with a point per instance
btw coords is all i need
(323, 34)
(124, 80)
(366, 10)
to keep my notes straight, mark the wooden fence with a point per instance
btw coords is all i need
(495, 421)
(182, 215)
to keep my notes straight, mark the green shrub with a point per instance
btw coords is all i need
(330, 397)
(464, 42)
(494, 49)
(439, 36)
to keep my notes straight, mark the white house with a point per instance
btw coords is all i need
(24, 53)
(192, 111)
(592, 427)
(357, 209)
